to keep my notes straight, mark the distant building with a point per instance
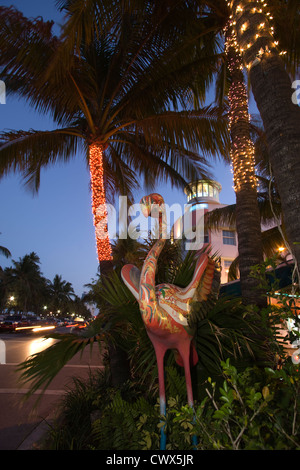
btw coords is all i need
(202, 197)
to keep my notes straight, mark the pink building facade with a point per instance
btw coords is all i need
(204, 196)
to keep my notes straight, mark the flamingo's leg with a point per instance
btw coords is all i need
(184, 351)
(160, 350)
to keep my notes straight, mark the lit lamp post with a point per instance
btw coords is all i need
(11, 303)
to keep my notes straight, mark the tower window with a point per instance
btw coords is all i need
(206, 236)
(229, 237)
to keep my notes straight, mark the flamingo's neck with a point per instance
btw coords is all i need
(148, 299)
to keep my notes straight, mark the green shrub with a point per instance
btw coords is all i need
(249, 410)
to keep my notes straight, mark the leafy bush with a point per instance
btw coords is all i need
(249, 410)
(246, 386)
(254, 409)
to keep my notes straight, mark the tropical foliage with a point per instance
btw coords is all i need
(119, 87)
(5, 251)
(241, 403)
(225, 328)
(119, 84)
(279, 113)
(269, 205)
(252, 409)
(222, 328)
(60, 293)
(24, 288)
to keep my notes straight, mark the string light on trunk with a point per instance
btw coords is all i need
(99, 202)
(242, 147)
(257, 35)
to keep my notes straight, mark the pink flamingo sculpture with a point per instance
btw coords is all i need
(165, 307)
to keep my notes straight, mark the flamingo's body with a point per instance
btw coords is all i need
(165, 307)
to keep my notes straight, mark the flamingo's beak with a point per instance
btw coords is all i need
(151, 205)
(145, 206)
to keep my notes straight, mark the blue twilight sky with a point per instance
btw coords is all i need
(57, 224)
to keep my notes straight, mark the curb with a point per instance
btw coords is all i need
(32, 441)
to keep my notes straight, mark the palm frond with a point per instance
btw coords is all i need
(5, 252)
(84, 20)
(41, 368)
(27, 152)
(271, 241)
(155, 162)
(223, 330)
(221, 217)
(205, 131)
(226, 216)
(222, 84)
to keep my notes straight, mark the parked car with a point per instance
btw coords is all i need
(8, 325)
(12, 322)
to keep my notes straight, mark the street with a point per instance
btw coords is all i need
(18, 419)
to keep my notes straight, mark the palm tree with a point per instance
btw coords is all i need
(5, 251)
(270, 211)
(245, 185)
(113, 84)
(60, 292)
(244, 26)
(272, 239)
(272, 89)
(24, 279)
(78, 306)
(113, 87)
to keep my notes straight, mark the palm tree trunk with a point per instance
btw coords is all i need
(119, 364)
(99, 204)
(272, 90)
(243, 162)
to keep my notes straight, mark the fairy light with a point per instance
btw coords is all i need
(242, 147)
(255, 42)
(262, 30)
(244, 27)
(99, 202)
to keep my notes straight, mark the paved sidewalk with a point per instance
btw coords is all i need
(22, 425)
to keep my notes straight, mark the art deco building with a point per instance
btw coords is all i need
(204, 196)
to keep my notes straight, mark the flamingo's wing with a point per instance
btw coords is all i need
(131, 277)
(170, 301)
(175, 301)
(205, 286)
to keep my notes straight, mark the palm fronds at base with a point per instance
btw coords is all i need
(41, 368)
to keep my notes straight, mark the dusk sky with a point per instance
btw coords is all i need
(57, 223)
